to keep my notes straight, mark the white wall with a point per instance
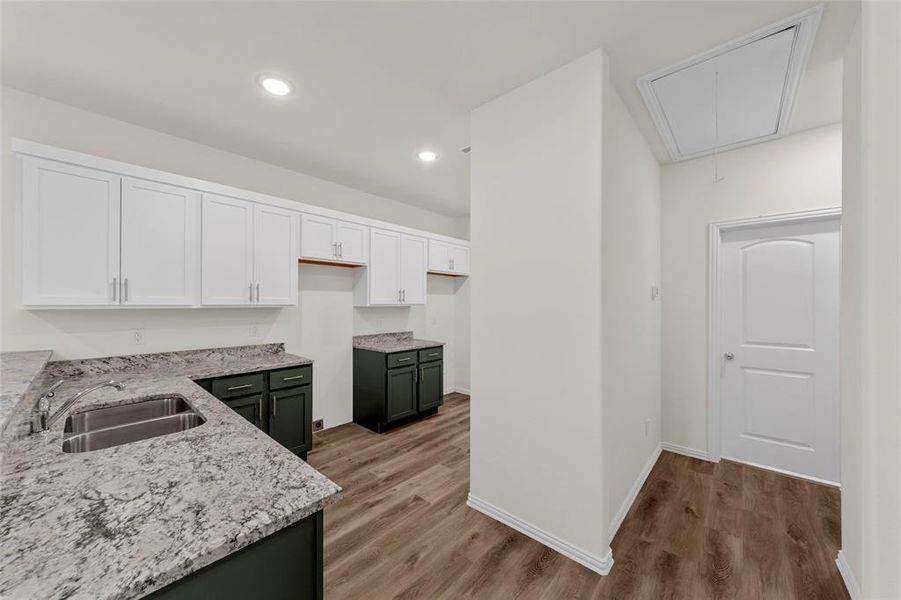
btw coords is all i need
(631, 319)
(871, 305)
(536, 422)
(795, 173)
(321, 327)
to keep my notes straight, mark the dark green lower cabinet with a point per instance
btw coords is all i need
(285, 565)
(278, 402)
(290, 417)
(401, 393)
(250, 408)
(396, 387)
(431, 385)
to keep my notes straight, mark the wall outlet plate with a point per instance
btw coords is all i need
(318, 424)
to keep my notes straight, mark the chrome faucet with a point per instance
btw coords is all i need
(45, 420)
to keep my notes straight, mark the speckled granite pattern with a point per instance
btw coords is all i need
(398, 341)
(17, 372)
(124, 521)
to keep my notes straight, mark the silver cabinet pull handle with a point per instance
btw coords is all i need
(251, 293)
(115, 288)
(403, 359)
(258, 293)
(125, 290)
(292, 378)
(335, 249)
(239, 387)
(433, 354)
(274, 405)
(341, 249)
(260, 409)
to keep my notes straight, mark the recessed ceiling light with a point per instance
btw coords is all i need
(427, 156)
(276, 85)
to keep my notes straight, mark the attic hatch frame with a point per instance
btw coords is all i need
(806, 23)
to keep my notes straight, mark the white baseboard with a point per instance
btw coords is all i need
(600, 565)
(633, 492)
(460, 390)
(685, 450)
(848, 576)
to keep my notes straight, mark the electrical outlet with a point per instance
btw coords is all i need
(139, 337)
(318, 424)
(655, 292)
(253, 331)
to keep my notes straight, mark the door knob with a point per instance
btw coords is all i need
(728, 356)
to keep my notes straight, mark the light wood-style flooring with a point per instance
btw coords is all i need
(697, 530)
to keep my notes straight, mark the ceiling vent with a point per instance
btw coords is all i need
(737, 94)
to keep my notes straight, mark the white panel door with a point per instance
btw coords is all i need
(413, 269)
(353, 242)
(275, 255)
(227, 251)
(779, 337)
(439, 256)
(317, 238)
(384, 267)
(160, 244)
(70, 235)
(459, 258)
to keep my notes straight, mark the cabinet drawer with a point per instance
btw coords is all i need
(430, 354)
(292, 377)
(239, 385)
(401, 359)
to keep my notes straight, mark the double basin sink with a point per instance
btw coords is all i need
(116, 425)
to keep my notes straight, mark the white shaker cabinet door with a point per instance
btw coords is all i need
(439, 256)
(384, 267)
(459, 259)
(70, 235)
(353, 242)
(160, 244)
(227, 251)
(317, 238)
(275, 256)
(413, 254)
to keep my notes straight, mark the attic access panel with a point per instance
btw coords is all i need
(735, 95)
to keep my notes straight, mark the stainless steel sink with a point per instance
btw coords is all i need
(116, 425)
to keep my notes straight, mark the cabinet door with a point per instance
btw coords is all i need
(70, 235)
(275, 256)
(439, 256)
(160, 244)
(400, 399)
(290, 418)
(249, 407)
(384, 267)
(353, 242)
(459, 259)
(431, 384)
(317, 238)
(227, 251)
(413, 269)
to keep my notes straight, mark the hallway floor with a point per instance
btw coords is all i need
(697, 529)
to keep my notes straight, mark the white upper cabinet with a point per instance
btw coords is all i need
(413, 251)
(384, 268)
(227, 251)
(353, 242)
(160, 244)
(397, 270)
(448, 258)
(274, 255)
(70, 235)
(331, 240)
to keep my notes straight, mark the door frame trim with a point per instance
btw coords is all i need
(714, 279)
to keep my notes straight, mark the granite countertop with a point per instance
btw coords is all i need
(124, 521)
(398, 341)
(17, 371)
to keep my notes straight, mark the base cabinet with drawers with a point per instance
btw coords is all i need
(279, 402)
(391, 388)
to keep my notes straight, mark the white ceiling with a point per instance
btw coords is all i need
(376, 81)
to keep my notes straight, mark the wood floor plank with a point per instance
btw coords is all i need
(697, 529)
